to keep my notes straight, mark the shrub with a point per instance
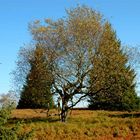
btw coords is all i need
(12, 132)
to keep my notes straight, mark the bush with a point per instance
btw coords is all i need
(10, 133)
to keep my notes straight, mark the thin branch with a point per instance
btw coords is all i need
(77, 101)
(87, 94)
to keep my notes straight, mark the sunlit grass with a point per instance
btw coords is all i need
(80, 125)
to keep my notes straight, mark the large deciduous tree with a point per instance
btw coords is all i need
(72, 42)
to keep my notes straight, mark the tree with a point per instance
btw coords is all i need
(72, 42)
(111, 69)
(8, 99)
(36, 90)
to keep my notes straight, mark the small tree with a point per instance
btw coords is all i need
(8, 99)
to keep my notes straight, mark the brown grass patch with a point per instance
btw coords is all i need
(81, 125)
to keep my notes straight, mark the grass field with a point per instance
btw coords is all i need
(80, 125)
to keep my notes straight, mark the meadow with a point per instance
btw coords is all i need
(80, 125)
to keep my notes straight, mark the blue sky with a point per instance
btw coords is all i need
(15, 15)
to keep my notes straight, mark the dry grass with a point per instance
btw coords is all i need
(81, 125)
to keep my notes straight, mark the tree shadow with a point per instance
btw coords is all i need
(125, 115)
(34, 119)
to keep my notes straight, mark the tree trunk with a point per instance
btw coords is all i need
(64, 112)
